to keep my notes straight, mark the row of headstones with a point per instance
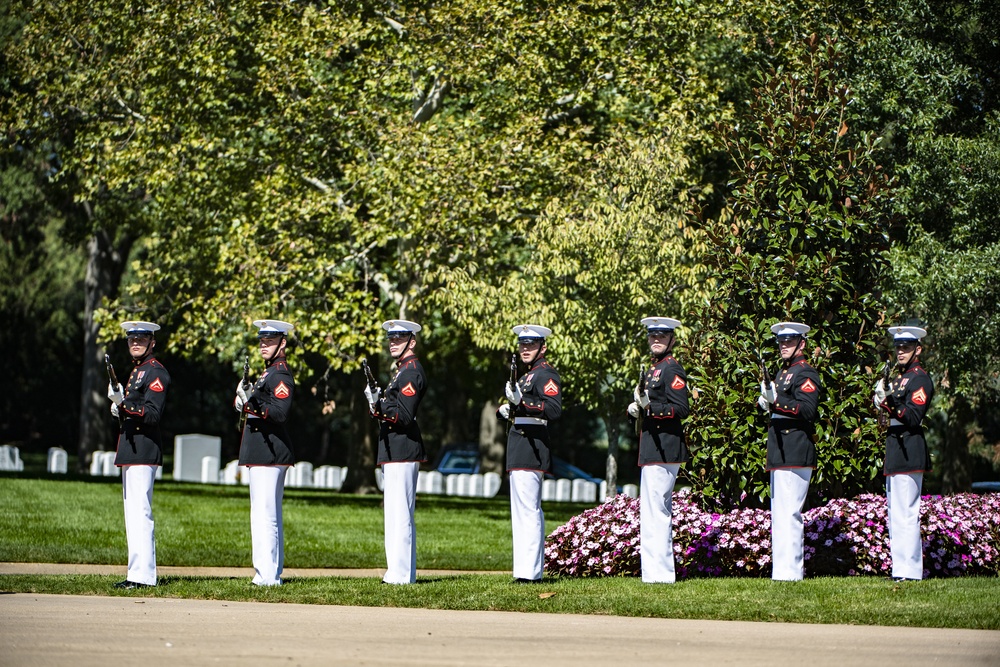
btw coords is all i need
(300, 475)
(303, 475)
(10, 459)
(102, 464)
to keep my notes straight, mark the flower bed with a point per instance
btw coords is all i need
(961, 536)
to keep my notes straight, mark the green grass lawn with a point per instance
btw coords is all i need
(80, 521)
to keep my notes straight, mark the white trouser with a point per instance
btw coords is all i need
(789, 487)
(527, 523)
(267, 532)
(400, 484)
(902, 494)
(656, 534)
(137, 492)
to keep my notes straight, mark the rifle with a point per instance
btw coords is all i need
(765, 376)
(111, 370)
(642, 388)
(883, 415)
(246, 385)
(513, 382)
(113, 377)
(369, 378)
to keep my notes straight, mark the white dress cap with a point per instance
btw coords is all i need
(790, 329)
(660, 323)
(272, 327)
(907, 333)
(139, 328)
(531, 332)
(401, 326)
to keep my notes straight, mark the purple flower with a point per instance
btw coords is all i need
(961, 536)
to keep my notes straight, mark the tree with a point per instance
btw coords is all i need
(39, 302)
(926, 80)
(597, 269)
(805, 240)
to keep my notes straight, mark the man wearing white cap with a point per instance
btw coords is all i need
(400, 449)
(139, 407)
(907, 458)
(661, 405)
(266, 450)
(792, 399)
(533, 401)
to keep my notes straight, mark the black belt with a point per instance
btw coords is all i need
(799, 424)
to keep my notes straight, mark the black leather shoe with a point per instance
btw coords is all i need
(520, 580)
(129, 585)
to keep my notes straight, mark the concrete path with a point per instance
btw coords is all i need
(77, 631)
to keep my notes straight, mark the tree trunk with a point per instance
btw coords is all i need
(456, 422)
(361, 451)
(105, 264)
(955, 463)
(612, 469)
(493, 445)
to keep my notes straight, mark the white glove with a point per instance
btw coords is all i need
(241, 397)
(513, 393)
(505, 410)
(633, 410)
(116, 394)
(762, 403)
(879, 395)
(768, 392)
(114, 410)
(372, 394)
(642, 399)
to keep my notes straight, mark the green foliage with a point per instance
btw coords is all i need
(596, 268)
(806, 240)
(39, 299)
(471, 165)
(945, 271)
(926, 80)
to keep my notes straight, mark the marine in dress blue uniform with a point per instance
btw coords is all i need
(139, 407)
(792, 399)
(400, 449)
(266, 449)
(907, 458)
(534, 401)
(662, 407)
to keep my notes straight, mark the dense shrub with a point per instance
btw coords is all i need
(961, 536)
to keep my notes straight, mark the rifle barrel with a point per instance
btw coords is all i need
(883, 416)
(642, 388)
(513, 382)
(245, 382)
(369, 378)
(111, 370)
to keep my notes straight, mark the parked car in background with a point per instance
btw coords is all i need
(457, 458)
(986, 487)
(463, 457)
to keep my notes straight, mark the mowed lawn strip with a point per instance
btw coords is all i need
(942, 603)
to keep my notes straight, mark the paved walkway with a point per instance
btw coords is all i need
(77, 631)
(81, 631)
